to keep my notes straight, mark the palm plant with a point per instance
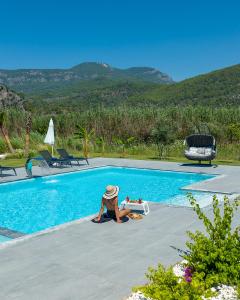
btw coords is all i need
(85, 136)
(3, 117)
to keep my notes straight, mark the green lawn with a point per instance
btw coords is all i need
(15, 162)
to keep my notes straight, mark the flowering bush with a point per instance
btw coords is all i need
(165, 285)
(216, 254)
(213, 259)
(188, 273)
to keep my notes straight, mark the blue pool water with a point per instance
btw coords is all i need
(33, 205)
(4, 239)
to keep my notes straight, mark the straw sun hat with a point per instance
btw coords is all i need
(111, 192)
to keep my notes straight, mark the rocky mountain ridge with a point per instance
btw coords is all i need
(31, 80)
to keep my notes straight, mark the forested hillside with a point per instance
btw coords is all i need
(217, 89)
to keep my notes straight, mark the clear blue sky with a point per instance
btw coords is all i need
(181, 38)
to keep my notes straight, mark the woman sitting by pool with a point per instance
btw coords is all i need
(110, 200)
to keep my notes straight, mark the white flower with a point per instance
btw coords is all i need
(225, 292)
(179, 269)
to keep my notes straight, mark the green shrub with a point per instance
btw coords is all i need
(36, 138)
(3, 147)
(164, 284)
(216, 254)
(163, 137)
(214, 258)
(32, 153)
(17, 143)
(17, 154)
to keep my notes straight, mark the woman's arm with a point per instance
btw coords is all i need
(117, 210)
(98, 218)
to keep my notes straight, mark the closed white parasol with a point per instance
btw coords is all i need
(50, 138)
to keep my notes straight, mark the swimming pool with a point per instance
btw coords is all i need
(4, 239)
(32, 205)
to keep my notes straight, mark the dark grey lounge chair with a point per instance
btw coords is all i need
(65, 155)
(53, 161)
(201, 147)
(7, 169)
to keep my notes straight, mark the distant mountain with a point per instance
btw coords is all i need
(218, 88)
(148, 74)
(43, 80)
(9, 99)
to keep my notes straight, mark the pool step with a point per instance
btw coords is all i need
(12, 234)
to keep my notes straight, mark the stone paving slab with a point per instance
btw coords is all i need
(94, 261)
(91, 261)
(87, 261)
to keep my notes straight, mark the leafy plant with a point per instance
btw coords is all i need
(216, 254)
(214, 259)
(17, 143)
(233, 131)
(18, 153)
(124, 143)
(86, 137)
(165, 285)
(162, 137)
(100, 141)
(3, 146)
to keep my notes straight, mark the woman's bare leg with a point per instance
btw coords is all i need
(124, 212)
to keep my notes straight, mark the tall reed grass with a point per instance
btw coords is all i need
(124, 122)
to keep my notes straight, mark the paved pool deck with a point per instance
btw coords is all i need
(86, 261)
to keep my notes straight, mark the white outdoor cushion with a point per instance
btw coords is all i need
(208, 151)
(201, 150)
(193, 150)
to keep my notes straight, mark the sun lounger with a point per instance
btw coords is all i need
(7, 169)
(65, 155)
(53, 161)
